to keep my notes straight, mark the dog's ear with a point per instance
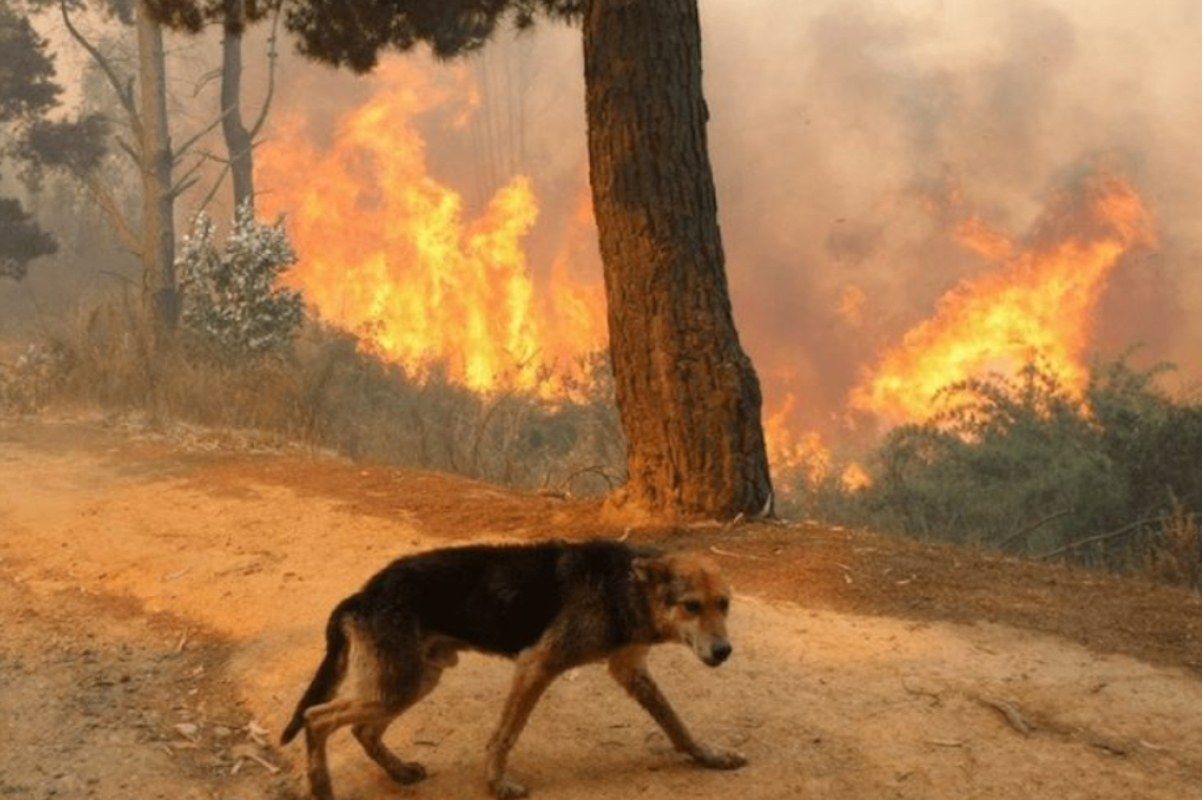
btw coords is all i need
(650, 570)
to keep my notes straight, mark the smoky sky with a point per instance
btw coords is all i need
(848, 138)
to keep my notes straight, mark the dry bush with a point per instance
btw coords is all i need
(327, 392)
(110, 356)
(31, 380)
(1174, 555)
(373, 410)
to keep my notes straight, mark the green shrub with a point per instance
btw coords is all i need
(1023, 465)
(232, 299)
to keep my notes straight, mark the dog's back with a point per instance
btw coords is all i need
(498, 599)
(502, 598)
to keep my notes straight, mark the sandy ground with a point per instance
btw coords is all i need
(162, 601)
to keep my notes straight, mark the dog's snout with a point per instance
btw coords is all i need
(720, 652)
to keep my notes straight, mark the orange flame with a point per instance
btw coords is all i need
(794, 455)
(385, 250)
(802, 458)
(1038, 305)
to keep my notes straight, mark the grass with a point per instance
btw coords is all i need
(329, 392)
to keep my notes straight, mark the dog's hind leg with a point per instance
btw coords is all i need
(383, 676)
(321, 721)
(629, 668)
(318, 768)
(532, 676)
(436, 658)
(370, 736)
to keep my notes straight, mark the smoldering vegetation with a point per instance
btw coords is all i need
(1111, 479)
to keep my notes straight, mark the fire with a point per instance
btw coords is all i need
(385, 249)
(803, 455)
(1037, 305)
(389, 252)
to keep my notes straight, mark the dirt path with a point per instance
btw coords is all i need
(162, 602)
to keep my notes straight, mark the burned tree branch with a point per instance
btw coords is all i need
(109, 206)
(273, 57)
(220, 179)
(1022, 534)
(123, 90)
(1102, 537)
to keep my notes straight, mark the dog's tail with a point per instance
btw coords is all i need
(328, 672)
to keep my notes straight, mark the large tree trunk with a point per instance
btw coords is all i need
(237, 137)
(158, 195)
(687, 393)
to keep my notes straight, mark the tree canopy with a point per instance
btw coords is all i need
(353, 33)
(27, 86)
(30, 140)
(27, 91)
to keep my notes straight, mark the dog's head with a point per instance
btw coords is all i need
(689, 602)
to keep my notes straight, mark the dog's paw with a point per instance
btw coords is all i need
(720, 759)
(506, 788)
(320, 788)
(406, 772)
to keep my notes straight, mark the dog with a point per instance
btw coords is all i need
(548, 606)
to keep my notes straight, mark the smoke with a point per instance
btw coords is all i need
(851, 139)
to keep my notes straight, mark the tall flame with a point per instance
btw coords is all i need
(385, 250)
(1038, 305)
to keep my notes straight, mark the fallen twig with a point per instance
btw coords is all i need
(720, 552)
(921, 692)
(1013, 716)
(945, 742)
(267, 765)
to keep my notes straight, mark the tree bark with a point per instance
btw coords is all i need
(157, 160)
(237, 137)
(688, 395)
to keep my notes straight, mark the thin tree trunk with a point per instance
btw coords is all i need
(237, 137)
(158, 198)
(688, 395)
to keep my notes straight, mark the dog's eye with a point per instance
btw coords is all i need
(692, 606)
(723, 604)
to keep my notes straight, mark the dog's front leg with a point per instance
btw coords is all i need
(532, 676)
(630, 670)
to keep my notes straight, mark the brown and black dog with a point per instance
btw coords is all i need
(549, 606)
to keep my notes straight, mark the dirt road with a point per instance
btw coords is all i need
(162, 600)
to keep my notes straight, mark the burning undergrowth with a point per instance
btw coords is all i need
(1036, 303)
(1106, 474)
